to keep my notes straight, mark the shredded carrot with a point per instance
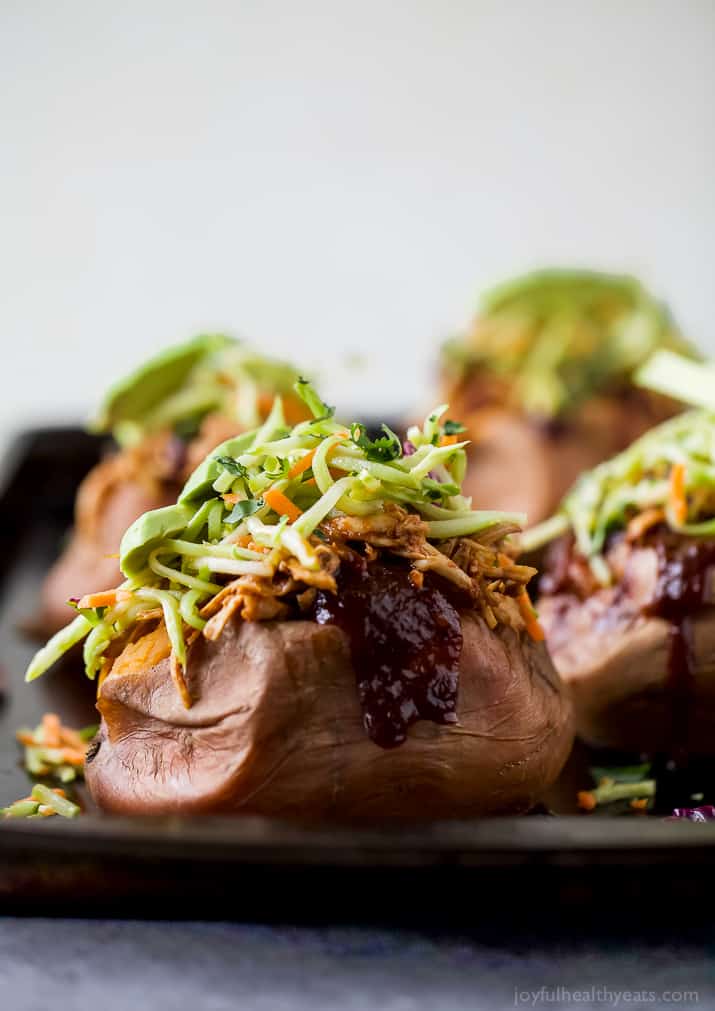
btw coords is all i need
(114, 554)
(106, 598)
(302, 465)
(639, 803)
(586, 800)
(677, 500)
(282, 505)
(529, 616)
(448, 440)
(71, 739)
(54, 735)
(51, 730)
(73, 757)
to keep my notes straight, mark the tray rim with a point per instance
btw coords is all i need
(241, 838)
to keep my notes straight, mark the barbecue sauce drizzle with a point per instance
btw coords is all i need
(681, 590)
(405, 644)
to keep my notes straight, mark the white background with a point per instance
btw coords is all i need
(331, 177)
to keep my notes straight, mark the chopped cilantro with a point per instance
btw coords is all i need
(247, 507)
(232, 466)
(385, 448)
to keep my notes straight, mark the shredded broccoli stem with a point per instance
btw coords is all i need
(282, 488)
(60, 643)
(188, 609)
(172, 619)
(182, 578)
(642, 477)
(60, 805)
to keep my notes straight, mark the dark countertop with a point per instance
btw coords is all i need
(112, 965)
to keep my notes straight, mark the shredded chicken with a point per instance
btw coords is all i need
(177, 673)
(393, 528)
(492, 582)
(476, 565)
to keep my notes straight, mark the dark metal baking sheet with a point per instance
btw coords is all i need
(249, 867)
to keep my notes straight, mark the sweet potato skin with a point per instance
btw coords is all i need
(276, 729)
(508, 443)
(89, 561)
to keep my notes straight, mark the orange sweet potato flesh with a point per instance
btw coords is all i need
(276, 729)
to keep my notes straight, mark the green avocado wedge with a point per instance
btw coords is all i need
(150, 529)
(544, 287)
(137, 395)
(199, 484)
(147, 532)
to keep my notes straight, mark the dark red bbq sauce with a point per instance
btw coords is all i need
(405, 642)
(681, 590)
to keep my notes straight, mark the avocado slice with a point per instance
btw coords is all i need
(147, 532)
(135, 396)
(199, 484)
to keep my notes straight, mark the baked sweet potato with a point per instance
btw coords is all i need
(628, 590)
(640, 681)
(542, 379)
(276, 728)
(329, 641)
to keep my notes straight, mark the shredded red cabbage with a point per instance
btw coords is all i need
(706, 812)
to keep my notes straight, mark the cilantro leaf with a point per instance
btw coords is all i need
(247, 507)
(232, 466)
(385, 448)
(453, 427)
